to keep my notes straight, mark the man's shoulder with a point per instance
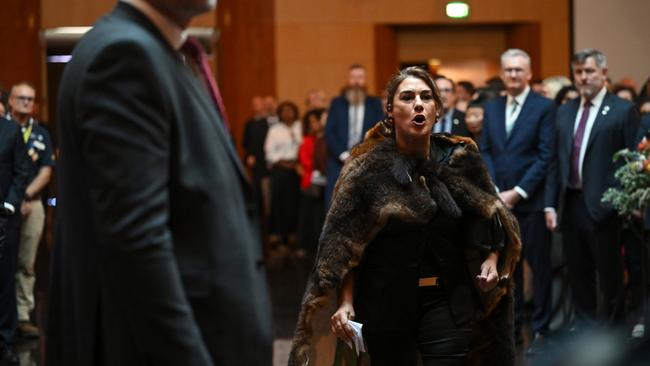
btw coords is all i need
(8, 127)
(645, 121)
(116, 30)
(540, 100)
(620, 103)
(458, 114)
(495, 103)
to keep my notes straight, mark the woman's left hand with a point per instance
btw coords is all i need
(489, 276)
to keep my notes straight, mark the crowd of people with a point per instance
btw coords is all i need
(361, 182)
(548, 147)
(27, 159)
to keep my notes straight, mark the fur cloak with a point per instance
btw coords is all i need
(378, 183)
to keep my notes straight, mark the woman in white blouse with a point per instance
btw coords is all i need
(281, 148)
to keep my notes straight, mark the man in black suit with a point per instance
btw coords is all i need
(14, 169)
(590, 129)
(255, 131)
(157, 259)
(451, 119)
(517, 146)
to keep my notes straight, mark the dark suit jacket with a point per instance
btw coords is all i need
(523, 158)
(14, 164)
(156, 261)
(336, 133)
(255, 132)
(613, 130)
(458, 126)
(644, 128)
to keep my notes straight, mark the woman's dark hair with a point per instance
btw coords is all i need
(416, 72)
(292, 105)
(479, 102)
(468, 86)
(561, 94)
(306, 126)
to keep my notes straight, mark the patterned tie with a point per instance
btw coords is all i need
(193, 49)
(574, 178)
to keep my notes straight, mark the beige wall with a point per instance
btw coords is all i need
(466, 53)
(317, 40)
(620, 29)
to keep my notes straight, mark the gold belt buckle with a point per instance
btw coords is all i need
(428, 282)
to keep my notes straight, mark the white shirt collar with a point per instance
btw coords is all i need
(172, 33)
(597, 100)
(520, 98)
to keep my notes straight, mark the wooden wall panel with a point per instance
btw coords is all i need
(22, 58)
(469, 52)
(527, 37)
(245, 56)
(349, 28)
(386, 55)
(318, 56)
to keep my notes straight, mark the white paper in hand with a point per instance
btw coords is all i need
(358, 337)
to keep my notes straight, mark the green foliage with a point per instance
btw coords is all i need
(633, 192)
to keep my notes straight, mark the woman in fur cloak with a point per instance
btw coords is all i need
(416, 246)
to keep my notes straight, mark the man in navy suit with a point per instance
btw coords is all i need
(350, 116)
(14, 169)
(517, 145)
(590, 129)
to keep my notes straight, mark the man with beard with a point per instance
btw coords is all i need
(157, 259)
(350, 116)
(590, 129)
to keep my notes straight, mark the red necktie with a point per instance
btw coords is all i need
(194, 49)
(574, 178)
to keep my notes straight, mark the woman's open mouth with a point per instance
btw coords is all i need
(420, 120)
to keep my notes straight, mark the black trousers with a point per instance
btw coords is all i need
(437, 337)
(285, 202)
(536, 250)
(8, 257)
(592, 254)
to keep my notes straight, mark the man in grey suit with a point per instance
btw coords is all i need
(156, 260)
(590, 129)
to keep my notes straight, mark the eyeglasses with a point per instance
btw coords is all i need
(514, 70)
(25, 99)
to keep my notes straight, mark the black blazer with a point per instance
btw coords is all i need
(157, 261)
(615, 128)
(458, 125)
(522, 158)
(14, 164)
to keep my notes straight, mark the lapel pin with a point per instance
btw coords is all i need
(456, 121)
(605, 110)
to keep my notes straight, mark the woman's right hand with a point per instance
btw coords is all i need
(339, 321)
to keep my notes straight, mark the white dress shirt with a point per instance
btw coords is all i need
(355, 125)
(282, 142)
(511, 117)
(596, 102)
(445, 124)
(513, 113)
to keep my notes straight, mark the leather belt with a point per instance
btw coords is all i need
(428, 281)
